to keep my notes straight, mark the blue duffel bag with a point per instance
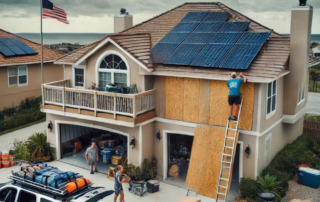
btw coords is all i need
(56, 178)
(40, 172)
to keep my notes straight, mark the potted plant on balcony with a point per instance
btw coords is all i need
(94, 86)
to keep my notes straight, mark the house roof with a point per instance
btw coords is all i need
(48, 54)
(313, 61)
(270, 63)
(316, 49)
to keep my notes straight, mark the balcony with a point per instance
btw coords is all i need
(115, 108)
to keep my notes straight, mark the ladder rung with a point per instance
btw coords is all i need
(231, 138)
(222, 186)
(235, 130)
(226, 162)
(229, 147)
(224, 179)
(227, 155)
(226, 167)
(221, 193)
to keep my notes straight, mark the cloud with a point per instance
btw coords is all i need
(95, 12)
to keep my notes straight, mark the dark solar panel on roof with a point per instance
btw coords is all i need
(6, 51)
(17, 50)
(22, 45)
(6, 42)
(225, 38)
(194, 16)
(174, 38)
(201, 38)
(184, 54)
(253, 38)
(212, 55)
(161, 51)
(216, 16)
(208, 27)
(230, 27)
(185, 27)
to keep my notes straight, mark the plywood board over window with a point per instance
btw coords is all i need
(191, 100)
(205, 162)
(174, 98)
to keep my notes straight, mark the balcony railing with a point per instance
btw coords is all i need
(59, 93)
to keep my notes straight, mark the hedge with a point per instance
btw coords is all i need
(27, 112)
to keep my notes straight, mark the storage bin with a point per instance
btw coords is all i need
(309, 177)
(116, 160)
(153, 186)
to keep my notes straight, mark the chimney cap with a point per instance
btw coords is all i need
(302, 2)
(122, 11)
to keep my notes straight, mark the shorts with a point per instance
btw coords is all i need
(234, 99)
(118, 190)
(92, 162)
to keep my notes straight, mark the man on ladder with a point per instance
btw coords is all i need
(234, 85)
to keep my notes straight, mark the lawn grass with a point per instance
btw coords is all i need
(23, 126)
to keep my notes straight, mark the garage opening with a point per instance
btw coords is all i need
(179, 151)
(74, 141)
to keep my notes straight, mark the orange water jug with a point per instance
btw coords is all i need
(6, 164)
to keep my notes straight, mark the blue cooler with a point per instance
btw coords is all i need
(309, 177)
(106, 154)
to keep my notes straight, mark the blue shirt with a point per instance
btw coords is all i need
(116, 180)
(234, 86)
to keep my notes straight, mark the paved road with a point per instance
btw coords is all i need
(313, 105)
(7, 140)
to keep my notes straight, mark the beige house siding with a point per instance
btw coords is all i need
(266, 122)
(12, 95)
(148, 138)
(249, 162)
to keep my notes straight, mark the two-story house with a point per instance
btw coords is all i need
(176, 93)
(20, 69)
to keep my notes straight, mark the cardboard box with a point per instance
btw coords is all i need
(190, 199)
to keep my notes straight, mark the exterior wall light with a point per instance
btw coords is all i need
(133, 142)
(50, 126)
(158, 136)
(247, 151)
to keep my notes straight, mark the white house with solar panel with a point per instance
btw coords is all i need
(159, 88)
(20, 68)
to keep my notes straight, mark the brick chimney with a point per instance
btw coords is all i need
(122, 21)
(300, 34)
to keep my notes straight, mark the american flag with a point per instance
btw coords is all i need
(49, 10)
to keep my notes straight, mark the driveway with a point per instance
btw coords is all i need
(313, 104)
(7, 140)
(168, 193)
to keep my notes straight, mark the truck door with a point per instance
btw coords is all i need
(8, 194)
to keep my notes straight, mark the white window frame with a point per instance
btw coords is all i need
(112, 71)
(301, 94)
(74, 76)
(18, 83)
(271, 113)
(267, 151)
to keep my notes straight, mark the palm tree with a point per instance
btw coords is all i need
(314, 76)
(269, 184)
(38, 146)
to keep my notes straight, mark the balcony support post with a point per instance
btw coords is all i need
(95, 103)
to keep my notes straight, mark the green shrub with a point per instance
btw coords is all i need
(312, 118)
(269, 184)
(248, 189)
(20, 151)
(38, 146)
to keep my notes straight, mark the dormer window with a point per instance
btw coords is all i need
(113, 69)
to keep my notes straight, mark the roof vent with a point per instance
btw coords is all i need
(303, 2)
(122, 11)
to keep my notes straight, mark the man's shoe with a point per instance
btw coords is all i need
(96, 170)
(234, 118)
(91, 172)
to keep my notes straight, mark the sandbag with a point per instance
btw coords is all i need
(77, 184)
(25, 175)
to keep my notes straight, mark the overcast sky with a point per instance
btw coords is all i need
(96, 16)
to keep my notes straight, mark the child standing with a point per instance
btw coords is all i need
(118, 184)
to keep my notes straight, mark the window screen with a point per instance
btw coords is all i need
(23, 75)
(272, 97)
(79, 77)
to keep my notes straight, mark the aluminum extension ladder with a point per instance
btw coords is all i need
(222, 188)
(227, 180)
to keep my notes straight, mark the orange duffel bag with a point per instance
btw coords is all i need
(77, 184)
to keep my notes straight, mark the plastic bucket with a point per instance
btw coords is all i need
(106, 156)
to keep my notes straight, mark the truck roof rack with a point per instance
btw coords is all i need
(61, 192)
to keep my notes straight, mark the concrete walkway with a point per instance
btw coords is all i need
(313, 104)
(7, 140)
(167, 193)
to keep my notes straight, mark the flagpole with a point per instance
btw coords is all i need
(41, 42)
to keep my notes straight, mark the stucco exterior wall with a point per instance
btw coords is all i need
(12, 95)
(159, 85)
(148, 137)
(266, 122)
(133, 132)
(249, 162)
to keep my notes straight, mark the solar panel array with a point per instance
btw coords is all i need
(14, 47)
(205, 39)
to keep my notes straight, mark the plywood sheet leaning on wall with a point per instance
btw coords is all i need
(205, 162)
(219, 107)
(191, 100)
(174, 98)
(204, 167)
(204, 101)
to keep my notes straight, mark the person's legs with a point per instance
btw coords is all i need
(95, 167)
(91, 169)
(236, 111)
(237, 102)
(230, 110)
(121, 197)
(115, 198)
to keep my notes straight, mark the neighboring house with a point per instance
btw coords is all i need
(173, 99)
(316, 51)
(20, 74)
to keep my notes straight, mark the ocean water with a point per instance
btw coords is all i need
(56, 38)
(86, 38)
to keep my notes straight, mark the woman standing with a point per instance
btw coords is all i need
(118, 184)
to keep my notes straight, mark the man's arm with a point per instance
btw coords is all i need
(97, 155)
(244, 77)
(86, 155)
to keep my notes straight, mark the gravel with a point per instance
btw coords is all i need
(301, 192)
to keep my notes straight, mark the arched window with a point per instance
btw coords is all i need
(113, 69)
